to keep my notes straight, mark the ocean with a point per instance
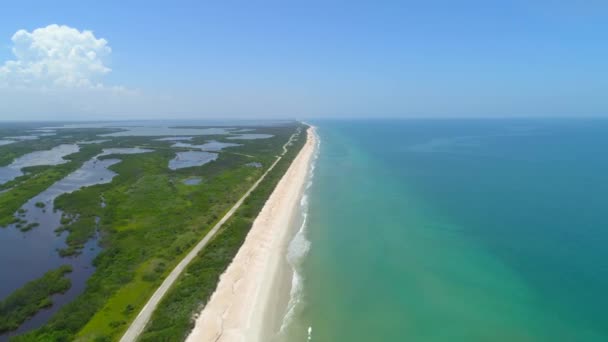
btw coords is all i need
(454, 230)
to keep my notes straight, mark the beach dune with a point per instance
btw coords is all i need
(246, 298)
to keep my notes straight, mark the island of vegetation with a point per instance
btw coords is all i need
(35, 295)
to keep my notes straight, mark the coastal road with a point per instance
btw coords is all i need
(138, 325)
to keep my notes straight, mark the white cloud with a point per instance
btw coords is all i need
(56, 73)
(56, 57)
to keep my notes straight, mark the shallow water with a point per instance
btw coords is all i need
(148, 128)
(175, 139)
(190, 159)
(250, 136)
(87, 142)
(53, 156)
(465, 230)
(124, 150)
(23, 137)
(297, 250)
(6, 142)
(212, 145)
(35, 252)
(43, 130)
(141, 131)
(176, 123)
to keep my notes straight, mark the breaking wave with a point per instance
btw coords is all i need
(298, 249)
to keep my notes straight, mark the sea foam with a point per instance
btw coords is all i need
(297, 250)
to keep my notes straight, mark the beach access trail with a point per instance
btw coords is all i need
(138, 325)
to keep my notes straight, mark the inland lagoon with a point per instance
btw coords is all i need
(212, 145)
(190, 159)
(32, 244)
(250, 136)
(54, 156)
(192, 181)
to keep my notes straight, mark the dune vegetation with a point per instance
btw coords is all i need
(148, 221)
(173, 319)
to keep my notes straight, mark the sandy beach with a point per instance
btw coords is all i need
(248, 300)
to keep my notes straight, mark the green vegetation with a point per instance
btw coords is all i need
(29, 226)
(39, 178)
(39, 205)
(65, 136)
(172, 320)
(150, 221)
(35, 295)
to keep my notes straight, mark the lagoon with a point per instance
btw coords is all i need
(212, 145)
(190, 159)
(54, 156)
(35, 252)
(250, 136)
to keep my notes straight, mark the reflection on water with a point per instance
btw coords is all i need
(53, 156)
(191, 158)
(88, 142)
(174, 139)
(183, 130)
(212, 145)
(123, 150)
(148, 128)
(23, 137)
(43, 130)
(82, 269)
(250, 136)
(144, 131)
(35, 252)
(6, 142)
(174, 123)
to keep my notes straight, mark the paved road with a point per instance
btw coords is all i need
(138, 325)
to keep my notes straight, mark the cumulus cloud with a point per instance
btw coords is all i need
(56, 57)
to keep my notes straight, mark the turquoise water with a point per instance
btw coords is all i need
(466, 230)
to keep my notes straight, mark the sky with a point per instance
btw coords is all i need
(92, 60)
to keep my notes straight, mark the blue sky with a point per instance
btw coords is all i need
(323, 59)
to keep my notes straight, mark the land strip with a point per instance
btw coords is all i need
(138, 325)
(239, 308)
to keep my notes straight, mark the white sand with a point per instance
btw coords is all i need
(246, 298)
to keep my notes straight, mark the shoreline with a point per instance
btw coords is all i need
(245, 305)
